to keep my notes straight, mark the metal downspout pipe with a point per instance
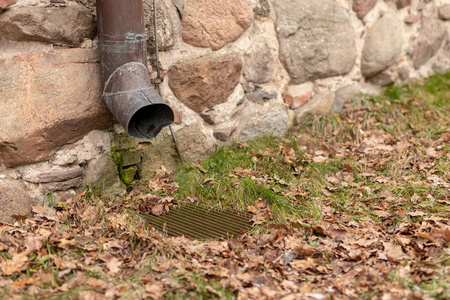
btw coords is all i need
(127, 89)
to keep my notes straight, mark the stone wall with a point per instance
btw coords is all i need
(234, 70)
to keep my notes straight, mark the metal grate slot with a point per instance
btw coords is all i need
(201, 223)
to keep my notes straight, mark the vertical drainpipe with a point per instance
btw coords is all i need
(127, 89)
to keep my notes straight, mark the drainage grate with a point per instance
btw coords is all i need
(201, 223)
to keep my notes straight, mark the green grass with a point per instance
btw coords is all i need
(414, 113)
(220, 187)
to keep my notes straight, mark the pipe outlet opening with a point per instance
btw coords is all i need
(148, 121)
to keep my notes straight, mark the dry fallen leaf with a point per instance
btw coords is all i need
(33, 242)
(15, 264)
(113, 265)
(259, 203)
(158, 209)
(45, 211)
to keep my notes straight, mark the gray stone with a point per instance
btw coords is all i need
(259, 64)
(319, 104)
(382, 45)
(430, 39)
(56, 196)
(316, 39)
(80, 152)
(14, 200)
(403, 71)
(248, 87)
(267, 95)
(123, 141)
(156, 153)
(48, 99)
(102, 174)
(55, 25)
(255, 97)
(348, 93)
(44, 173)
(444, 12)
(259, 96)
(61, 185)
(132, 157)
(224, 134)
(439, 68)
(164, 26)
(194, 143)
(386, 77)
(274, 122)
(101, 140)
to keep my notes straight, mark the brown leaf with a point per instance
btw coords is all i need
(252, 209)
(10, 266)
(262, 216)
(33, 243)
(304, 250)
(154, 186)
(65, 243)
(218, 271)
(402, 241)
(154, 291)
(96, 283)
(320, 159)
(20, 217)
(113, 265)
(426, 236)
(302, 265)
(200, 167)
(170, 188)
(244, 172)
(27, 281)
(416, 213)
(45, 211)
(447, 234)
(394, 252)
(260, 203)
(158, 209)
(193, 199)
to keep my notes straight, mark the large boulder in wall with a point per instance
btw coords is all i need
(317, 39)
(382, 45)
(67, 25)
(48, 99)
(215, 24)
(205, 82)
(431, 37)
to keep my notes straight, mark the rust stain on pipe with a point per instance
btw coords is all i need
(127, 89)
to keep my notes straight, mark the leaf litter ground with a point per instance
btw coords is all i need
(348, 206)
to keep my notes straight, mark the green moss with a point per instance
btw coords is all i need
(127, 175)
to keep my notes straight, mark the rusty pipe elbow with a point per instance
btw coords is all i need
(127, 89)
